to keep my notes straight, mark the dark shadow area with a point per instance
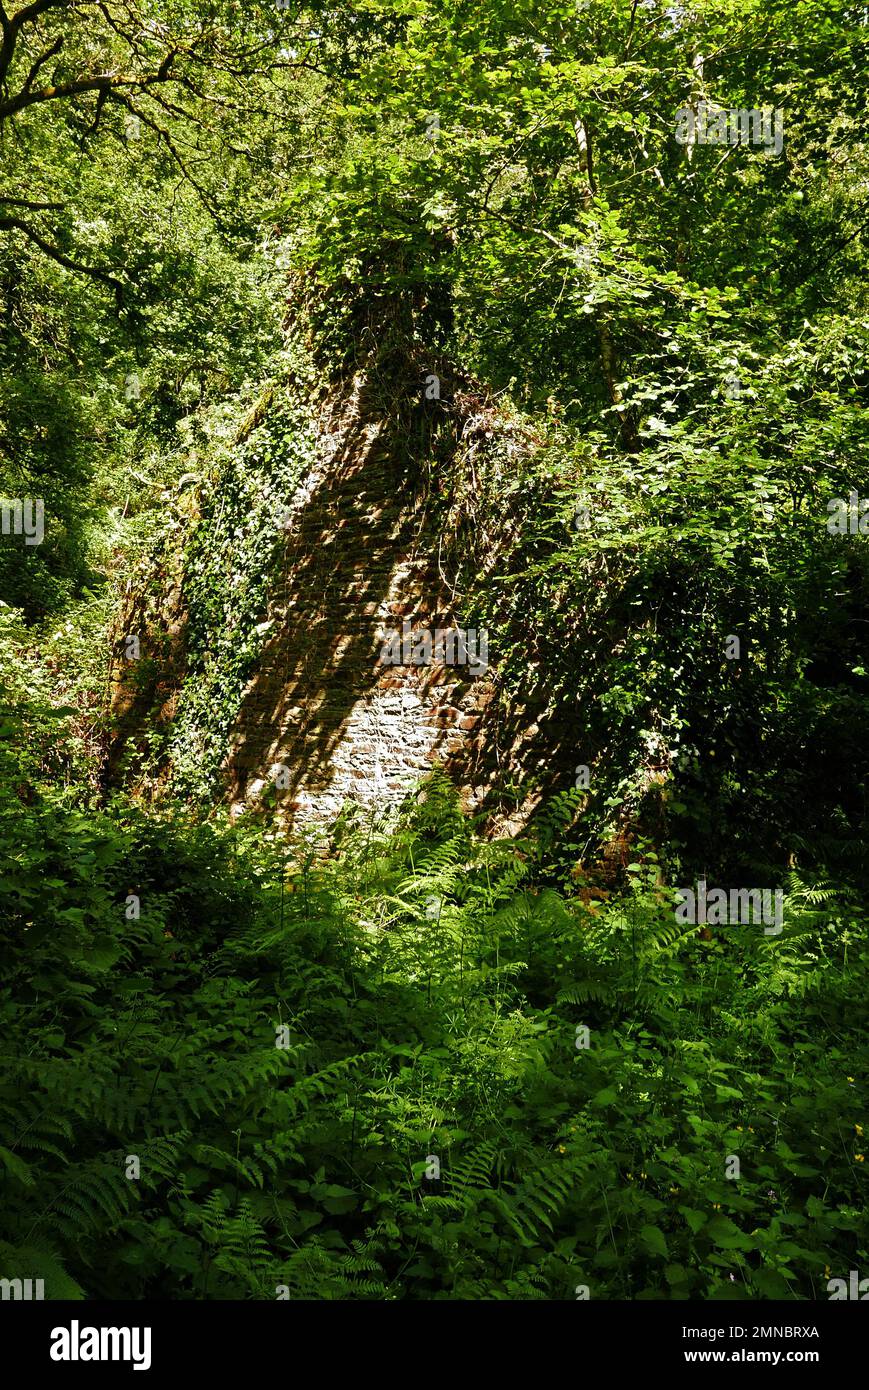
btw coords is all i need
(366, 519)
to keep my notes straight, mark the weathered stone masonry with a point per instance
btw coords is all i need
(359, 560)
(320, 713)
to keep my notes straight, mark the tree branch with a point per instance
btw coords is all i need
(101, 82)
(164, 135)
(11, 28)
(31, 207)
(43, 58)
(15, 224)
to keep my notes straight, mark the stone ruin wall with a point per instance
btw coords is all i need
(322, 719)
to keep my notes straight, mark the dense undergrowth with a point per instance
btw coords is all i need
(236, 1071)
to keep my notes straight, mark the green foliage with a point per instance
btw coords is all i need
(716, 529)
(431, 990)
(685, 328)
(676, 339)
(230, 565)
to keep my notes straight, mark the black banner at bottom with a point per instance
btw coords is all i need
(233, 1339)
